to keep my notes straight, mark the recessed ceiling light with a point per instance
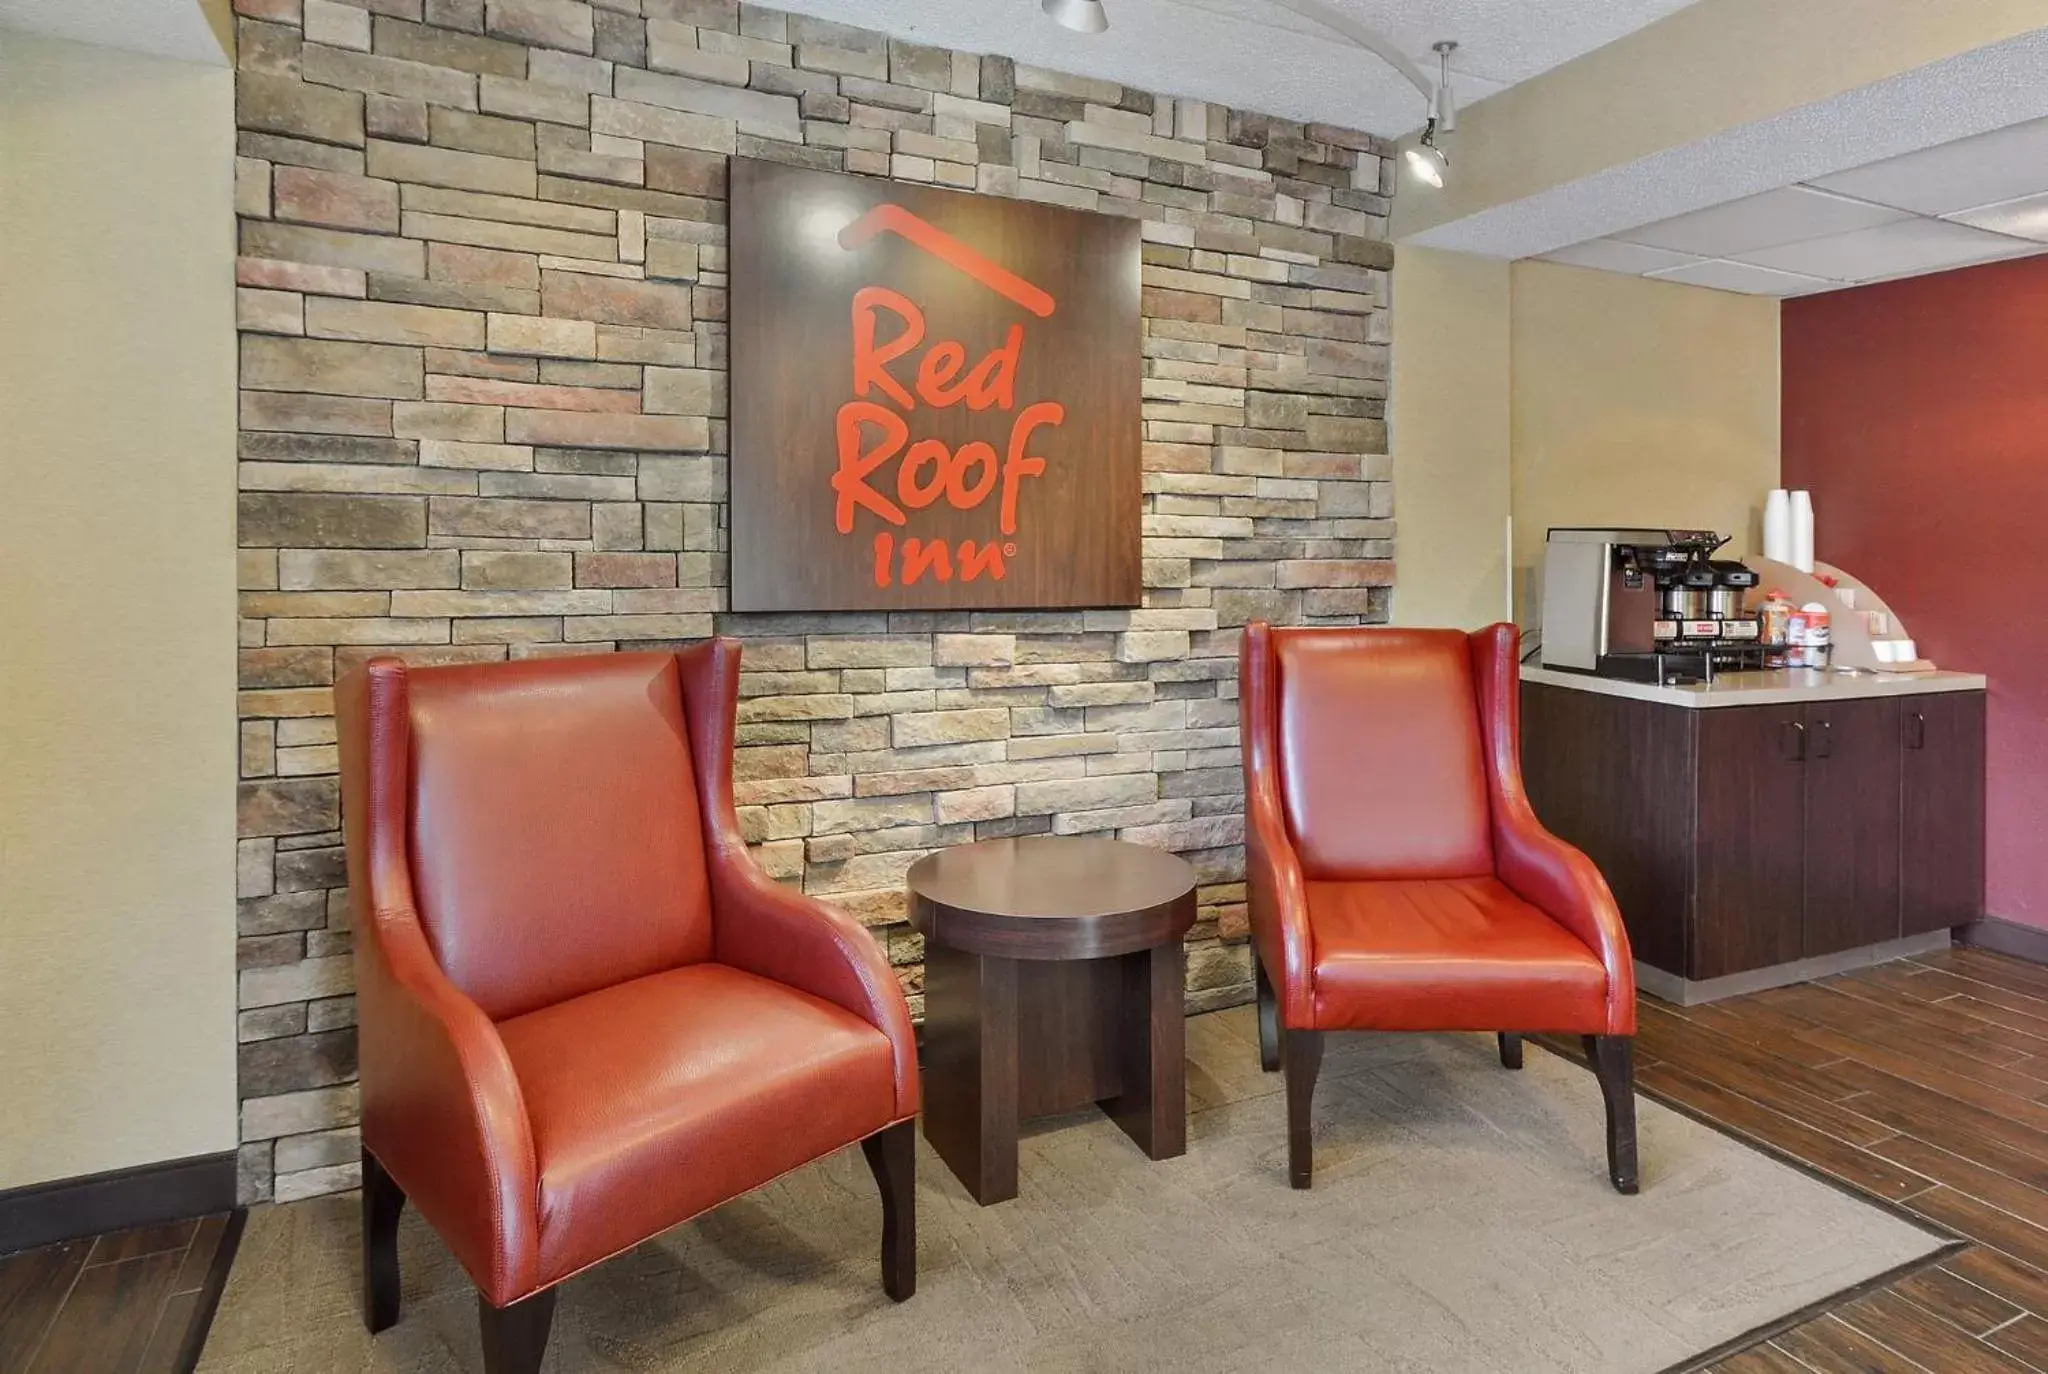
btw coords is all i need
(1082, 16)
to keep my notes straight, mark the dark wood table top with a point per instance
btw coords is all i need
(1052, 897)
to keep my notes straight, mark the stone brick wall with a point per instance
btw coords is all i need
(482, 303)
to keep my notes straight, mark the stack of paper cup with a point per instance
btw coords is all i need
(1778, 526)
(1802, 532)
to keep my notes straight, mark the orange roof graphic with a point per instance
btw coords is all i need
(895, 219)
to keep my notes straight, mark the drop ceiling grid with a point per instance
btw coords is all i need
(1975, 200)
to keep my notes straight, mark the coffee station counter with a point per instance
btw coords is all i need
(1768, 687)
(1814, 823)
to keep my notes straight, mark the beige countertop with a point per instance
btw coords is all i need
(1774, 687)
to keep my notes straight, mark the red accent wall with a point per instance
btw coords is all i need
(1917, 414)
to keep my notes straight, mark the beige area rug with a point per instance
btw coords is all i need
(1461, 1221)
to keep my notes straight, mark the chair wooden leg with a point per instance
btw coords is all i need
(516, 1337)
(1303, 1052)
(1614, 1061)
(1510, 1050)
(383, 1200)
(892, 1155)
(1269, 1016)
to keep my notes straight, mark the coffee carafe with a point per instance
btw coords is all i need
(1685, 591)
(1732, 580)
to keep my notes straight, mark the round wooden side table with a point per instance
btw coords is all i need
(1054, 976)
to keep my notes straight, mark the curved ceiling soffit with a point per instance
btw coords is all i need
(1365, 36)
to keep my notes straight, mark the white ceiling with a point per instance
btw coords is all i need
(1969, 201)
(1256, 55)
(1980, 91)
(165, 28)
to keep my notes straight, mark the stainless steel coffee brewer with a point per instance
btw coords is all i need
(1649, 604)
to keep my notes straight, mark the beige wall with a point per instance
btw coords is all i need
(117, 630)
(1450, 437)
(1639, 402)
(1565, 397)
(220, 18)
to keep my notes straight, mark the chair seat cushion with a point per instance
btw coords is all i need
(662, 1097)
(1447, 954)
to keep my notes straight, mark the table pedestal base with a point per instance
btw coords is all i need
(1008, 1040)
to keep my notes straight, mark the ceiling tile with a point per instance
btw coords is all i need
(2026, 218)
(2002, 165)
(1889, 250)
(1612, 255)
(1736, 276)
(1786, 215)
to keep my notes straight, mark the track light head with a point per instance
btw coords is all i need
(1082, 16)
(1427, 161)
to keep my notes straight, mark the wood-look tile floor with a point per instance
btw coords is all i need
(122, 1303)
(1923, 1083)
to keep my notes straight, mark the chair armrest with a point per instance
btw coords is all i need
(1278, 907)
(757, 924)
(775, 932)
(1564, 884)
(1537, 866)
(1278, 910)
(442, 1109)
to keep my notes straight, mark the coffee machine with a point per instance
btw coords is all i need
(1652, 605)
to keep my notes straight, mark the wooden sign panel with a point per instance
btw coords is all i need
(935, 398)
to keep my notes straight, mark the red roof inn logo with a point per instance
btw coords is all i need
(981, 447)
(874, 428)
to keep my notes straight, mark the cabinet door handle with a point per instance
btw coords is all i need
(1916, 730)
(1795, 738)
(1824, 747)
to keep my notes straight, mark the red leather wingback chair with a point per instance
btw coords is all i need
(586, 1015)
(1398, 879)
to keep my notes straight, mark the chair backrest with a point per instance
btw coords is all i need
(555, 837)
(1382, 769)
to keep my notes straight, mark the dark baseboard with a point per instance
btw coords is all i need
(117, 1201)
(2006, 937)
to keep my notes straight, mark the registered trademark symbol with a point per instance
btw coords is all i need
(1009, 550)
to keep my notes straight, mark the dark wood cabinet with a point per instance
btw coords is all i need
(1851, 889)
(1738, 838)
(1941, 856)
(1610, 770)
(1749, 839)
